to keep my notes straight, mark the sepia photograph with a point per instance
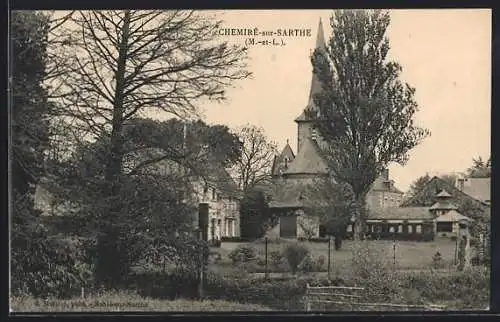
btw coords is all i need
(250, 160)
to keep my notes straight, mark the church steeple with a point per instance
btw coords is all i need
(315, 84)
(305, 127)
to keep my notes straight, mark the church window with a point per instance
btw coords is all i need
(314, 134)
(418, 229)
(400, 228)
(410, 229)
(391, 229)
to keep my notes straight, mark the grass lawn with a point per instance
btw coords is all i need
(409, 254)
(127, 302)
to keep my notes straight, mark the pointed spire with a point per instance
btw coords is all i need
(320, 45)
(320, 37)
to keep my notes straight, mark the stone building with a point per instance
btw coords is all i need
(292, 173)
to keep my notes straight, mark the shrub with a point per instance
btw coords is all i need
(437, 261)
(295, 254)
(307, 265)
(373, 269)
(242, 254)
(276, 258)
(321, 260)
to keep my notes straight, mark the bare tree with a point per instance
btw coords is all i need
(114, 66)
(257, 155)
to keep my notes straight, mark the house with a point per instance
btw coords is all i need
(213, 193)
(418, 222)
(293, 173)
(217, 195)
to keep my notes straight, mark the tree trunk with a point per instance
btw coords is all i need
(359, 216)
(112, 263)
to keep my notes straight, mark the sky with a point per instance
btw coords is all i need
(445, 55)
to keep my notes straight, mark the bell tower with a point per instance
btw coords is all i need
(304, 123)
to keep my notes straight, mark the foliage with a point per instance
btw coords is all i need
(295, 253)
(373, 269)
(276, 258)
(333, 203)
(255, 217)
(468, 290)
(437, 261)
(309, 264)
(254, 166)
(422, 181)
(364, 113)
(242, 254)
(480, 168)
(29, 105)
(43, 264)
(129, 64)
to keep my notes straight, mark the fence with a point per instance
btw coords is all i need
(351, 297)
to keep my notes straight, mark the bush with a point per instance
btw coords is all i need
(295, 254)
(437, 261)
(276, 258)
(242, 254)
(467, 289)
(373, 269)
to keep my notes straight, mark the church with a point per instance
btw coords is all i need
(293, 172)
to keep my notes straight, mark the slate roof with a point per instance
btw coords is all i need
(401, 213)
(443, 194)
(452, 216)
(380, 185)
(456, 193)
(478, 188)
(308, 160)
(443, 205)
(315, 84)
(278, 160)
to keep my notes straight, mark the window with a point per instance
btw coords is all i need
(418, 229)
(400, 228)
(314, 134)
(205, 189)
(214, 194)
(391, 229)
(410, 229)
(444, 227)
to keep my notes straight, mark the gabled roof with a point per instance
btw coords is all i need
(399, 213)
(478, 188)
(308, 160)
(443, 194)
(452, 216)
(443, 205)
(278, 160)
(380, 184)
(416, 199)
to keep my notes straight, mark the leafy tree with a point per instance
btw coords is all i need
(420, 182)
(42, 262)
(129, 63)
(364, 113)
(29, 106)
(480, 168)
(333, 203)
(255, 217)
(254, 166)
